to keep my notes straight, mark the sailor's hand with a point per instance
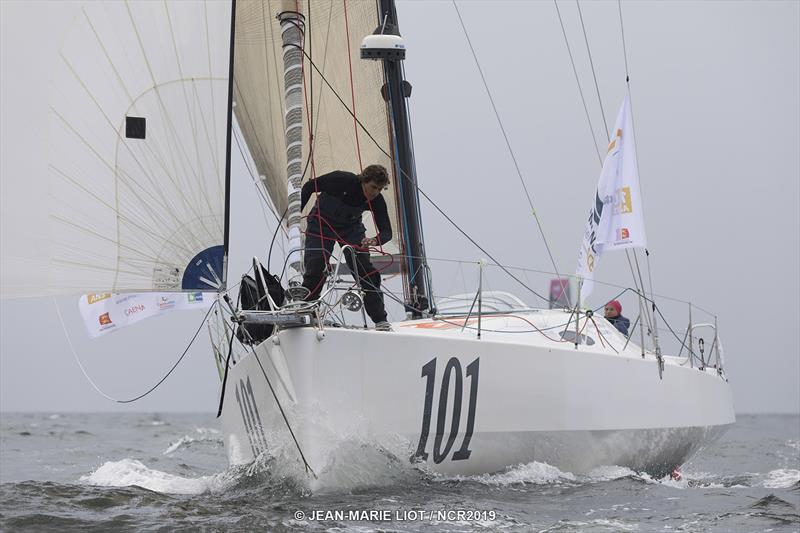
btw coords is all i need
(366, 242)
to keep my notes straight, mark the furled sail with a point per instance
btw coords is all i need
(337, 85)
(138, 148)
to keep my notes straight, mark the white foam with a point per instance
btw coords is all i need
(534, 473)
(179, 443)
(128, 472)
(616, 525)
(782, 478)
(186, 440)
(682, 483)
(353, 463)
(610, 473)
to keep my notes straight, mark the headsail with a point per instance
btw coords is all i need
(138, 155)
(336, 86)
(615, 219)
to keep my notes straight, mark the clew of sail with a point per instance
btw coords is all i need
(615, 219)
(138, 148)
(339, 91)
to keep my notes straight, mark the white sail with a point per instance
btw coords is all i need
(337, 84)
(138, 148)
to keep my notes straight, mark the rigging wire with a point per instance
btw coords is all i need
(577, 80)
(594, 74)
(256, 182)
(624, 47)
(418, 188)
(633, 125)
(154, 387)
(271, 388)
(352, 86)
(508, 143)
(421, 225)
(640, 281)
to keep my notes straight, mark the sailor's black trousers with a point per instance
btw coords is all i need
(318, 248)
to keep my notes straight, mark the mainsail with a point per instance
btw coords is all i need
(339, 90)
(138, 148)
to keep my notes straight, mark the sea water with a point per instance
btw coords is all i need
(168, 472)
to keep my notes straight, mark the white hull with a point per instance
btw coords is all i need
(533, 401)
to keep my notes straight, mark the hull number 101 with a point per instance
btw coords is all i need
(440, 450)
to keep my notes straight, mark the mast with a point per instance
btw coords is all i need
(229, 134)
(395, 92)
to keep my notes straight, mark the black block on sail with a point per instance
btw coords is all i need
(135, 127)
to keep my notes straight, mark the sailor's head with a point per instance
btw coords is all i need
(613, 309)
(374, 179)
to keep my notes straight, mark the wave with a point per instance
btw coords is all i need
(208, 431)
(131, 472)
(187, 442)
(783, 478)
(538, 473)
(611, 473)
(534, 473)
(355, 463)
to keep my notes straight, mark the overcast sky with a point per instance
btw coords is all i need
(716, 98)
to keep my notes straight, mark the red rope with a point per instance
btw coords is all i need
(338, 239)
(352, 88)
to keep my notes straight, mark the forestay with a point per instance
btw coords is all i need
(337, 85)
(139, 132)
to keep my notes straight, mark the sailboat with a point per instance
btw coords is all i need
(151, 99)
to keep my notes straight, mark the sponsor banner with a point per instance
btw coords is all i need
(103, 313)
(615, 219)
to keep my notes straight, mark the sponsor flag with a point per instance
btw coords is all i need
(615, 219)
(106, 312)
(559, 293)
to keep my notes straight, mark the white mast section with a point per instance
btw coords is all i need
(292, 24)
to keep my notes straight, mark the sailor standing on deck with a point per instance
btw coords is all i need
(336, 217)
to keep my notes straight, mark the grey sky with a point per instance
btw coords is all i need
(716, 98)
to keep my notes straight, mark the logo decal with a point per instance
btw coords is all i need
(94, 298)
(166, 303)
(624, 202)
(105, 320)
(132, 310)
(195, 297)
(623, 234)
